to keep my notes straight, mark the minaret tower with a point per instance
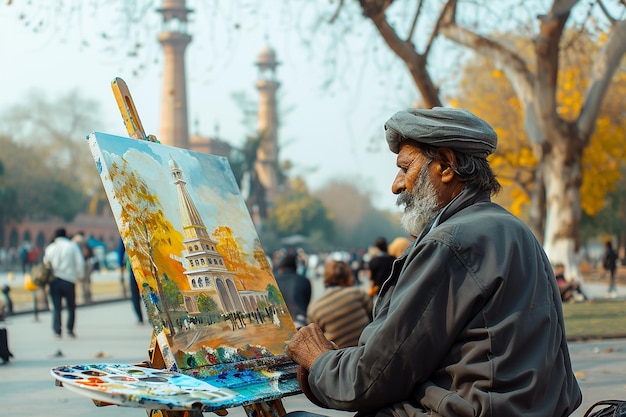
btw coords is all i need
(174, 129)
(266, 164)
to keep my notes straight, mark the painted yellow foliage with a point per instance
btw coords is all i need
(229, 248)
(145, 226)
(249, 275)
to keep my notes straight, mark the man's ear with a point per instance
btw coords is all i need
(447, 160)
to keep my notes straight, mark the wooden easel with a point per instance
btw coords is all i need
(157, 359)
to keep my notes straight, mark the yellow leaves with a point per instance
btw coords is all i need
(520, 199)
(601, 163)
(486, 91)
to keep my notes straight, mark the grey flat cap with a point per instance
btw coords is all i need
(457, 129)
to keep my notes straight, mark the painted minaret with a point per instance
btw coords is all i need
(206, 272)
(174, 39)
(266, 165)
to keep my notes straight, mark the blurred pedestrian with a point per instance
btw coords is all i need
(24, 253)
(85, 279)
(357, 264)
(68, 265)
(135, 295)
(296, 288)
(379, 266)
(609, 263)
(344, 309)
(8, 302)
(398, 246)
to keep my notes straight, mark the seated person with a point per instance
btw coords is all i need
(344, 309)
(569, 290)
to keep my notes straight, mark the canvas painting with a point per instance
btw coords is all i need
(208, 286)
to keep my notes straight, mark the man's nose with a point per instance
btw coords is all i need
(398, 183)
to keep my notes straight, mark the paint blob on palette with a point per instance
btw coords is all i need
(134, 386)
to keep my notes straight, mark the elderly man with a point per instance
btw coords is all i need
(470, 321)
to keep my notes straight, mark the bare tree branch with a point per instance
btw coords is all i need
(336, 14)
(511, 63)
(448, 12)
(604, 65)
(414, 22)
(374, 7)
(405, 50)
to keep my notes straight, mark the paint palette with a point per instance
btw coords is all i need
(134, 386)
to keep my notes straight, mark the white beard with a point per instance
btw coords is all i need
(420, 205)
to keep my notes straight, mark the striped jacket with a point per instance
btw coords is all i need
(342, 313)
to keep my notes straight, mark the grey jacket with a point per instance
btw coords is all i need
(469, 323)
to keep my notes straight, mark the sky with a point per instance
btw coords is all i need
(327, 131)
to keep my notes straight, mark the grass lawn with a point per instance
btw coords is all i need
(595, 319)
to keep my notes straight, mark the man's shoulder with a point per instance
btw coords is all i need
(484, 216)
(480, 222)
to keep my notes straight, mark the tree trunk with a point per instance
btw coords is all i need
(562, 173)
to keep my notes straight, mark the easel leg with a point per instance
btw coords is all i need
(274, 408)
(35, 306)
(166, 413)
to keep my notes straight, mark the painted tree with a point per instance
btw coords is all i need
(207, 303)
(151, 235)
(274, 295)
(174, 297)
(229, 248)
(129, 188)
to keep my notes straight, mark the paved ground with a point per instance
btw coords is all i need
(107, 333)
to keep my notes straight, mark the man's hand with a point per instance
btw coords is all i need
(307, 344)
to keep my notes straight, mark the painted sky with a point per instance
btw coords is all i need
(327, 133)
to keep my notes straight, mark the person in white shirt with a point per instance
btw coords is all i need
(68, 265)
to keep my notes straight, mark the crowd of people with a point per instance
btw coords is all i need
(351, 281)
